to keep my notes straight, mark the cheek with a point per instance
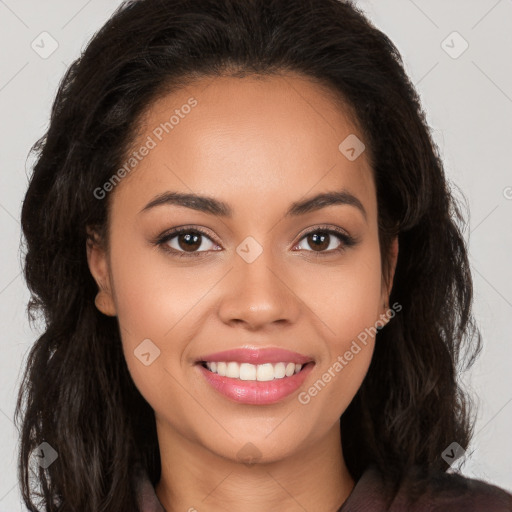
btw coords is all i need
(347, 300)
(152, 295)
(345, 296)
(153, 303)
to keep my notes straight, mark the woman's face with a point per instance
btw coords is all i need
(264, 274)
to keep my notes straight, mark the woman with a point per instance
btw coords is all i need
(197, 354)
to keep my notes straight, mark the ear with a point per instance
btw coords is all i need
(388, 273)
(97, 259)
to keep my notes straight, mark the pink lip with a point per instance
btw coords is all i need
(256, 392)
(257, 356)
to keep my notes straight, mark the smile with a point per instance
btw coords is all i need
(250, 384)
(248, 371)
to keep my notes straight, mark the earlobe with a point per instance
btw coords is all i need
(98, 266)
(105, 304)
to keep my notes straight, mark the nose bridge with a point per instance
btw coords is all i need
(257, 292)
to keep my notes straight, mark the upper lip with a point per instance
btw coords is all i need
(257, 356)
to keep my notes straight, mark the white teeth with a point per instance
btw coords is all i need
(279, 371)
(233, 370)
(221, 369)
(265, 372)
(248, 371)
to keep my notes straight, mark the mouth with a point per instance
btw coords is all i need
(254, 372)
(255, 375)
(262, 384)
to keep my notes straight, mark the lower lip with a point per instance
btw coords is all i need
(256, 392)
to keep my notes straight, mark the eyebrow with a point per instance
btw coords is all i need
(219, 208)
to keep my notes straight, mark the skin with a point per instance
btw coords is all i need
(259, 145)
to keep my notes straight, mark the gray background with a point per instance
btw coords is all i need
(468, 101)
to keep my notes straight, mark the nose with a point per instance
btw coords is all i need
(259, 294)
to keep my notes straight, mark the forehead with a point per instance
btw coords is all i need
(258, 139)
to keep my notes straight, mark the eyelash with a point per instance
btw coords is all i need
(347, 240)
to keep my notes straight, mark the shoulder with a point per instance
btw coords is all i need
(435, 492)
(455, 492)
(144, 491)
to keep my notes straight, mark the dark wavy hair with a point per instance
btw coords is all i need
(77, 393)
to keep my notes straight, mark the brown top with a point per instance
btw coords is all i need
(450, 492)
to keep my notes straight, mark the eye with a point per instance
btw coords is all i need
(323, 240)
(186, 242)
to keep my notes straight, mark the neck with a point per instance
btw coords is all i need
(193, 478)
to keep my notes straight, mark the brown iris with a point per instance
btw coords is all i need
(189, 241)
(319, 240)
